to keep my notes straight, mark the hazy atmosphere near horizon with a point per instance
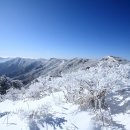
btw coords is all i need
(64, 28)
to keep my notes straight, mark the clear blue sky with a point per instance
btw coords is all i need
(64, 28)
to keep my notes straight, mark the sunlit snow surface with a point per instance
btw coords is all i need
(52, 112)
(18, 119)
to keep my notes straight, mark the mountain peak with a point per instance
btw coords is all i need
(114, 59)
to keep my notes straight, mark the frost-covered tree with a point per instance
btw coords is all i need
(6, 83)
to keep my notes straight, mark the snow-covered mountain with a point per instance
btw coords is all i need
(76, 94)
(29, 69)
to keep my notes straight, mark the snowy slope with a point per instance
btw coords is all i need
(53, 102)
(29, 69)
(51, 111)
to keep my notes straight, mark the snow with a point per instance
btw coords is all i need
(124, 101)
(20, 110)
(123, 119)
(44, 102)
(12, 122)
(81, 119)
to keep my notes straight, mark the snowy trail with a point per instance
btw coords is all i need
(19, 112)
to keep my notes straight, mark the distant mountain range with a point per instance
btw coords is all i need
(28, 69)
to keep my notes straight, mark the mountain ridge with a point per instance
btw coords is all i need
(27, 69)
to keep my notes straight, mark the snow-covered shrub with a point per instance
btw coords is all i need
(89, 98)
(86, 96)
(17, 84)
(38, 90)
(14, 94)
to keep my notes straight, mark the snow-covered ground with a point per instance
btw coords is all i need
(55, 103)
(51, 111)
